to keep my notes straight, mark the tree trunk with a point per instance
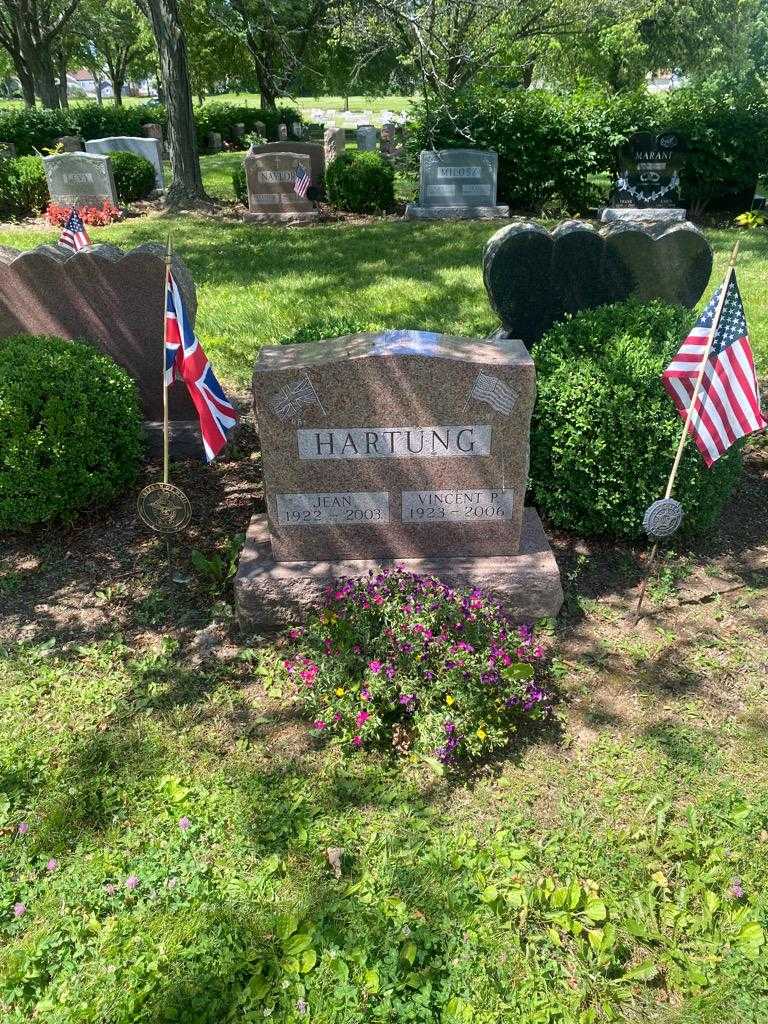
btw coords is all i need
(99, 86)
(38, 60)
(187, 184)
(24, 77)
(61, 60)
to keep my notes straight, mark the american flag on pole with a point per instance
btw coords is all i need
(728, 404)
(73, 235)
(185, 360)
(494, 392)
(301, 181)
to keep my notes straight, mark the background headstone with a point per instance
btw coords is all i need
(105, 296)
(282, 132)
(457, 184)
(271, 197)
(260, 128)
(148, 148)
(213, 142)
(297, 129)
(79, 179)
(535, 277)
(366, 137)
(387, 139)
(70, 143)
(238, 132)
(312, 156)
(334, 141)
(649, 174)
(153, 131)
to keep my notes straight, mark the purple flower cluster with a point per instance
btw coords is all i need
(447, 751)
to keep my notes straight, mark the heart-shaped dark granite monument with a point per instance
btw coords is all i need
(535, 277)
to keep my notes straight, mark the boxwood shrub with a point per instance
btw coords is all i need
(360, 182)
(240, 184)
(604, 430)
(134, 176)
(70, 429)
(23, 188)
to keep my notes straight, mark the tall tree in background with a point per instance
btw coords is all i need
(120, 39)
(187, 184)
(215, 52)
(37, 26)
(9, 40)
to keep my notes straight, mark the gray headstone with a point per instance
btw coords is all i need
(297, 130)
(457, 183)
(282, 132)
(271, 196)
(260, 128)
(79, 179)
(334, 141)
(534, 277)
(366, 137)
(148, 148)
(387, 138)
(213, 142)
(70, 143)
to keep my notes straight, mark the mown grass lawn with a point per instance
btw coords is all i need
(165, 819)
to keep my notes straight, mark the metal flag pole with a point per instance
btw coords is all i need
(686, 427)
(166, 429)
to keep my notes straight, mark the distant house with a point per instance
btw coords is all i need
(82, 81)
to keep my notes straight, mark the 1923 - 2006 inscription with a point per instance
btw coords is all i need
(465, 506)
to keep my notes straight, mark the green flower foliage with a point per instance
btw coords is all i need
(23, 188)
(605, 432)
(134, 176)
(240, 184)
(402, 660)
(70, 429)
(360, 182)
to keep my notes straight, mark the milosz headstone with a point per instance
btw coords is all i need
(110, 298)
(79, 179)
(457, 184)
(403, 445)
(150, 149)
(272, 197)
(648, 185)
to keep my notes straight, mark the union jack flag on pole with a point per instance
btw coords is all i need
(185, 360)
(73, 235)
(301, 181)
(727, 399)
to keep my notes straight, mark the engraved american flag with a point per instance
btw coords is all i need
(494, 392)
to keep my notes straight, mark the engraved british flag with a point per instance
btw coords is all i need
(185, 360)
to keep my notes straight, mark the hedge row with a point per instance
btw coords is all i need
(558, 153)
(30, 129)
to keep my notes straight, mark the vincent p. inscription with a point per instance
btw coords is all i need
(395, 442)
(466, 506)
(334, 507)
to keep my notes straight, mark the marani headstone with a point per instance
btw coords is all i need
(457, 184)
(406, 446)
(79, 179)
(648, 185)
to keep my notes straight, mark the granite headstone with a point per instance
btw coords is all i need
(457, 184)
(110, 298)
(282, 132)
(647, 189)
(334, 142)
(79, 179)
(366, 138)
(70, 143)
(312, 157)
(150, 149)
(271, 196)
(400, 445)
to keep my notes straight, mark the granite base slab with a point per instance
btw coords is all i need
(642, 215)
(309, 217)
(270, 593)
(415, 212)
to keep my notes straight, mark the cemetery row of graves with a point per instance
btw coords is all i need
(323, 696)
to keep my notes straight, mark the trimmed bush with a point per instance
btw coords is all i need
(23, 188)
(70, 429)
(134, 176)
(360, 182)
(604, 430)
(240, 184)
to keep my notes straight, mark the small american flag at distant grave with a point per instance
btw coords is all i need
(74, 236)
(301, 181)
(290, 400)
(728, 403)
(494, 392)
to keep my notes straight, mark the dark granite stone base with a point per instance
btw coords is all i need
(185, 442)
(415, 212)
(310, 217)
(270, 593)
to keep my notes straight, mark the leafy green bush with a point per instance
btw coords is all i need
(240, 184)
(553, 149)
(134, 176)
(360, 182)
(23, 188)
(70, 429)
(604, 430)
(220, 117)
(404, 661)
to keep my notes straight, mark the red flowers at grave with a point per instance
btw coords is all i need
(98, 216)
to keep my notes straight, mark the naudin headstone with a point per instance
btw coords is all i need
(272, 198)
(403, 445)
(457, 184)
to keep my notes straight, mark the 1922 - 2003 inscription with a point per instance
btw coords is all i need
(357, 508)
